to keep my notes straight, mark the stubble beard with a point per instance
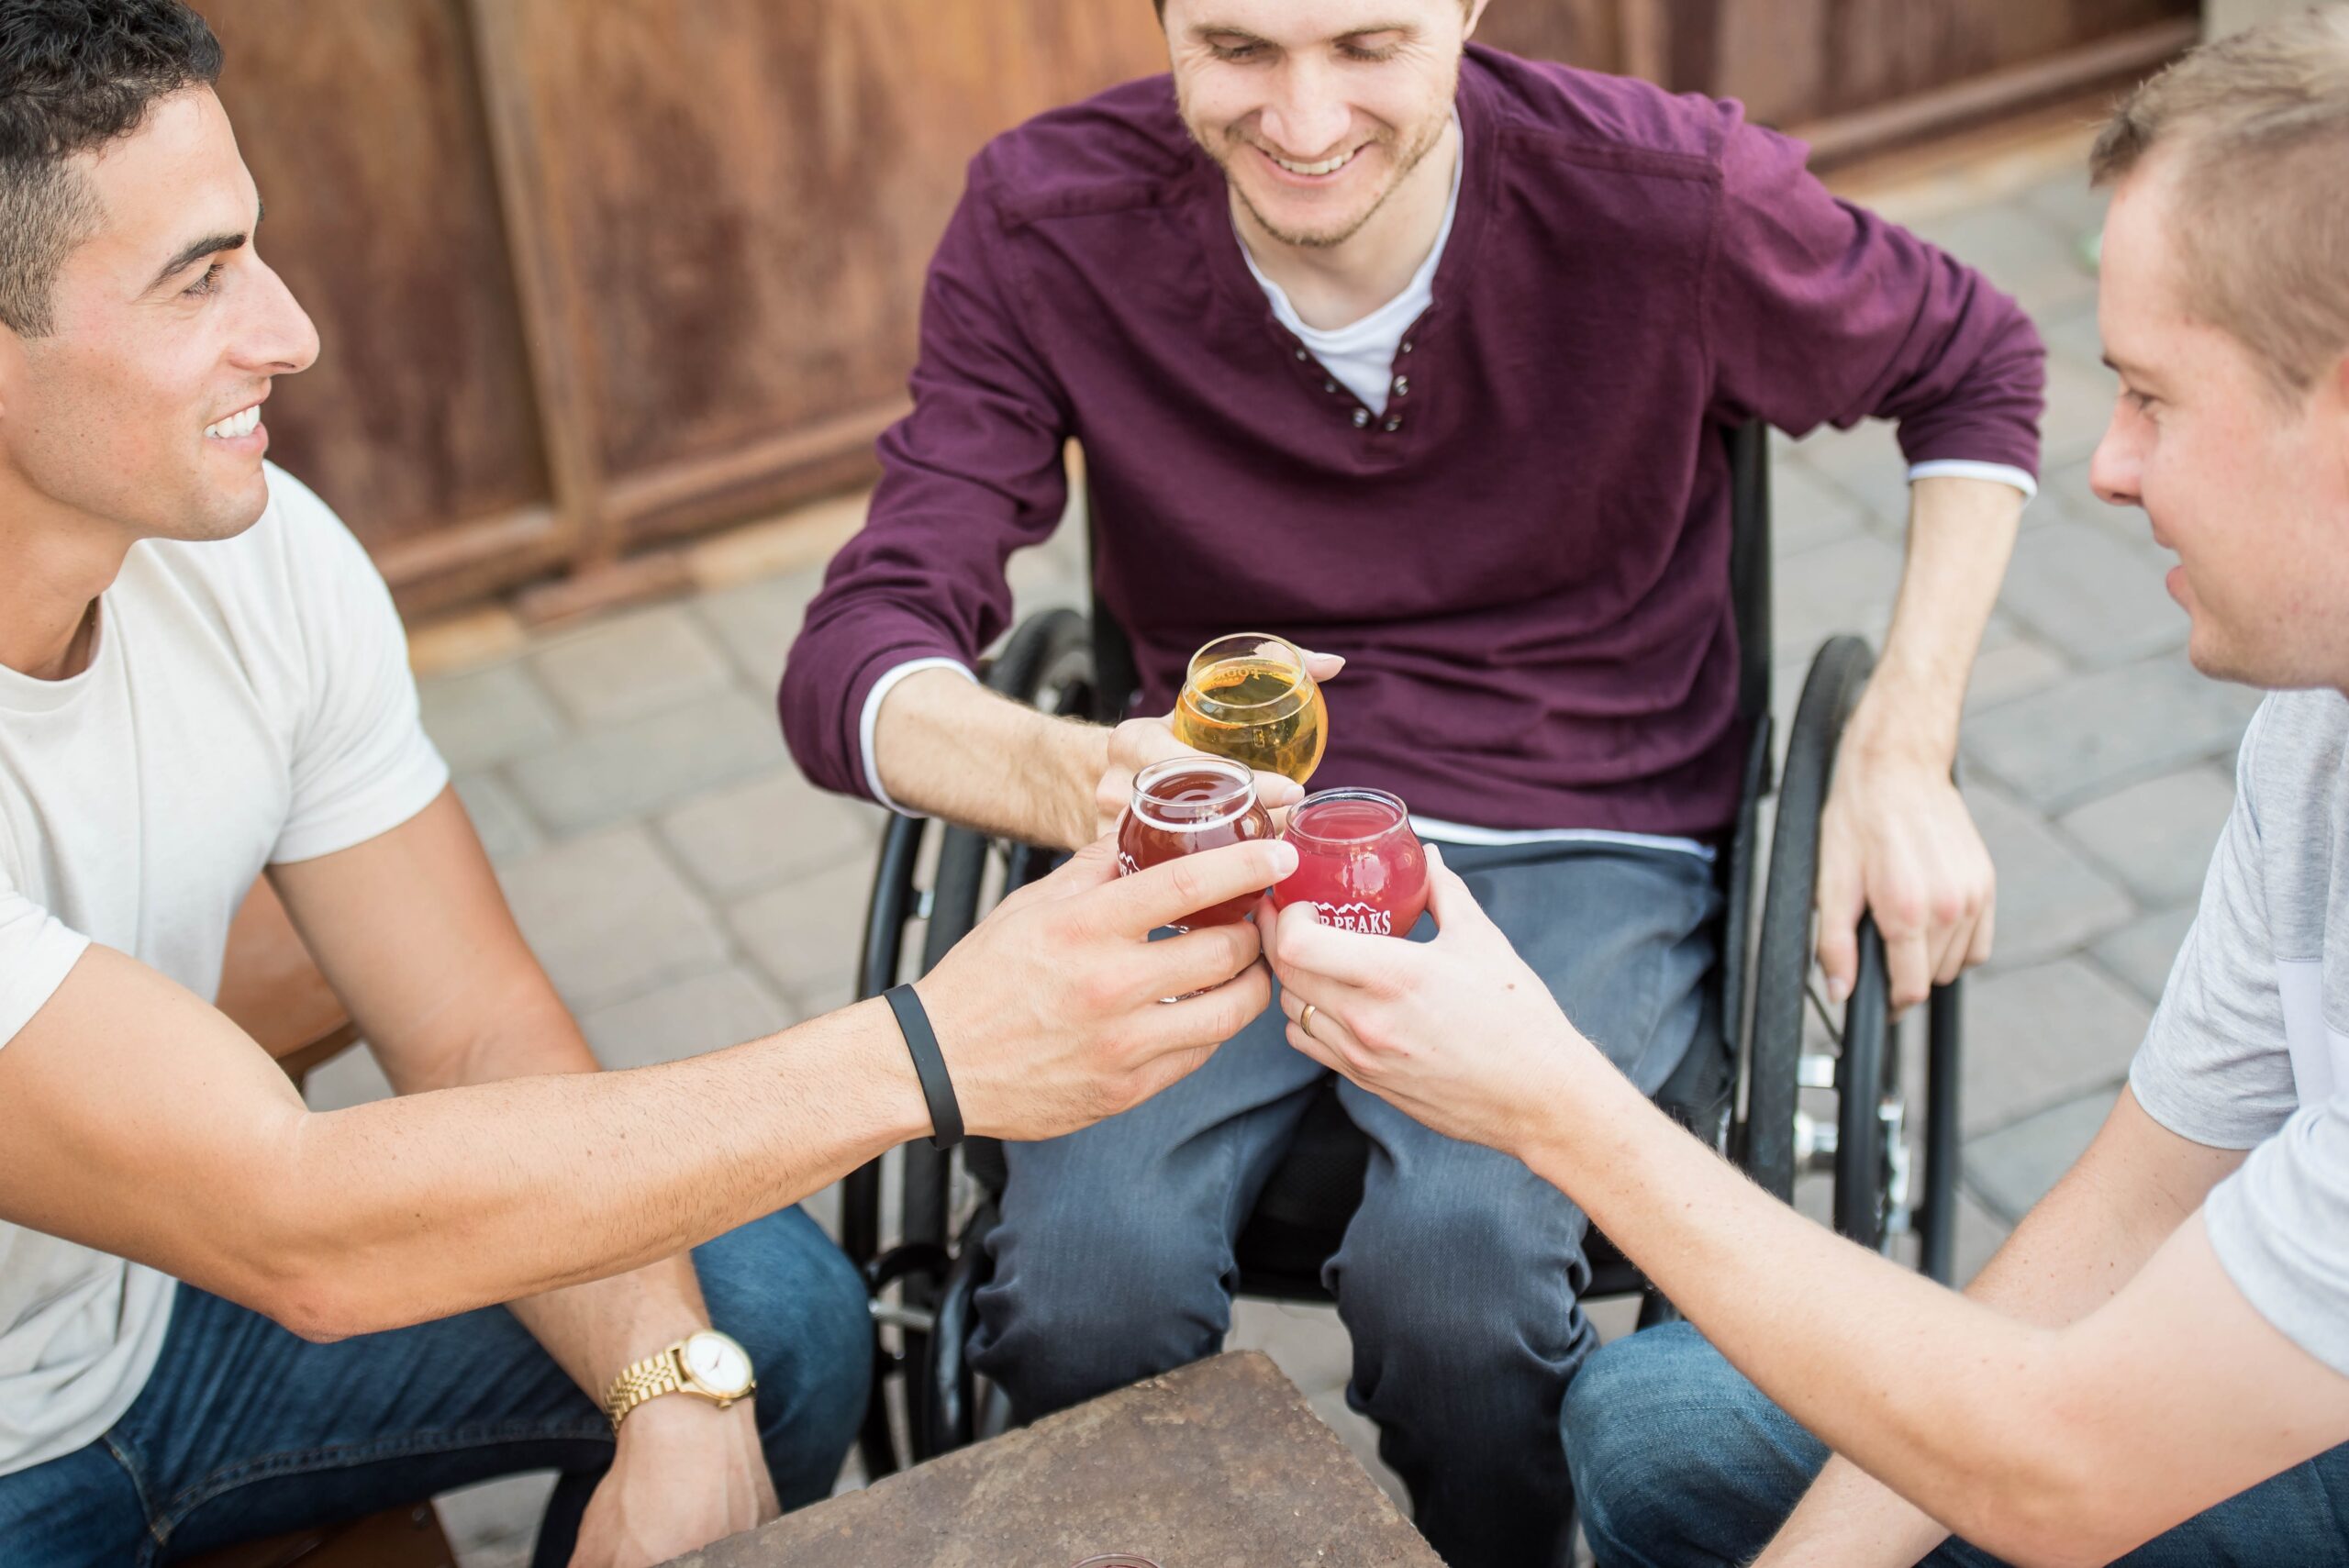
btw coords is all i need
(1237, 146)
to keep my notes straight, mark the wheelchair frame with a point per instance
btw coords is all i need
(1059, 661)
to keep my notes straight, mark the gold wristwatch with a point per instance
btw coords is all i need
(708, 1365)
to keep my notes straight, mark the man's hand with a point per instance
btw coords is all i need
(1458, 1033)
(1897, 842)
(1138, 742)
(686, 1473)
(1051, 1013)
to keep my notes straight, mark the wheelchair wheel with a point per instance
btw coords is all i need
(1047, 663)
(1863, 1149)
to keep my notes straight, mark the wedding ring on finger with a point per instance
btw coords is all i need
(1305, 1022)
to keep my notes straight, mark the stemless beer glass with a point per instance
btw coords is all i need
(1358, 862)
(1185, 806)
(1248, 698)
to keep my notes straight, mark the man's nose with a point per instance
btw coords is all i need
(1307, 115)
(2113, 470)
(279, 339)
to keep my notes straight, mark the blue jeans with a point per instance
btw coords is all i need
(1681, 1462)
(1459, 1274)
(246, 1429)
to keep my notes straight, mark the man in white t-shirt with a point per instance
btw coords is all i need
(221, 1315)
(2157, 1364)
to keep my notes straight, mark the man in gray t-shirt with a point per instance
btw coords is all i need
(2157, 1364)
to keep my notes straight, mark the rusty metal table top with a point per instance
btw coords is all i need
(1219, 1465)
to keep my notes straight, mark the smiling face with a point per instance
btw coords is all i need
(2248, 482)
(1316, 110)
(140, 408)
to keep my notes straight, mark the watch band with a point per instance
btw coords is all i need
(930, 1066)
(649, 1379)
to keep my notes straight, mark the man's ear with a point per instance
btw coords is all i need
(1476, 15)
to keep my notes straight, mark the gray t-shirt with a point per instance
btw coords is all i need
(2247, 1050)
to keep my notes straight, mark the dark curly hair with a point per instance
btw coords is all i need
(75, 74)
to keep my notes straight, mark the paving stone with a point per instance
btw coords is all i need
(1040, 580)
(2142, 952)
(2013, 1168)
(506, 829)
(686, 1017)
(1980, 1234)
(639, 663)
(648, 763)
(2087, 736)
(350, 1079)
(1807, 509)
(1865, 463)
(497, 1523)
(2158, 835)
(2039, 1036)
(1305, 1339)
(2077, 337)
(749, 837)
(804, 935)
(609, 918)
(1845, 586)
(2079, 407)
(2070, 202)
(2050, 898)
(2022, 253)
(2091, 596)
(2016, 668)
(482, 717)
(757, 622)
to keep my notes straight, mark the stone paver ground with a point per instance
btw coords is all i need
(687, 890)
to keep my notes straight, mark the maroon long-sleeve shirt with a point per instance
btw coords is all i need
(1525, 558)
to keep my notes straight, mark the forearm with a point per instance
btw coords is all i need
(1961, 534)
(593, 1330)
(949, 748)
(427, 1205)
(2070, 1255)
(1925, 1390)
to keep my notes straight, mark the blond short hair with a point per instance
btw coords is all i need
(2255, 130)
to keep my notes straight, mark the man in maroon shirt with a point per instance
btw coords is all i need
(1419, 354)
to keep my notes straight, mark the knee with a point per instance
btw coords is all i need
(1078, 1309)
(1666, 1442)
(1466, 1287)
(797, 1305)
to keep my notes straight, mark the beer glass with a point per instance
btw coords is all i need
(1358, 862)
(1186, 805)
(1249, 698)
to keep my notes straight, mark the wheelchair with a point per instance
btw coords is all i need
(1746, 1097)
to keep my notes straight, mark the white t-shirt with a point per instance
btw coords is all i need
(247, 702)
(2250, 1047)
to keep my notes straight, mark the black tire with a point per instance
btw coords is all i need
(1782, 953)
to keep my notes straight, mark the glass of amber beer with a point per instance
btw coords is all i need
(1185, 806)
(1249, 698)
(1358, 862)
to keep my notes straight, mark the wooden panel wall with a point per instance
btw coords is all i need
(362, 125)
(591, 274)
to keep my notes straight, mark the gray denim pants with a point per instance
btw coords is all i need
(1459, 1275)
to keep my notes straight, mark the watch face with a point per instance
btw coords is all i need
(717, 1363)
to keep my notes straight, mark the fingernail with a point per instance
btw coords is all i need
(1284, 857)
(1837, 989)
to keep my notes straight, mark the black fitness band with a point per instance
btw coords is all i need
(930, 1066)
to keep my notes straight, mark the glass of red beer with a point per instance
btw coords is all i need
(1358, 862)
(1185, 806)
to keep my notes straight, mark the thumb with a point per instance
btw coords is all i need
(1322, 666)
(1454, 908)
(1842, 898)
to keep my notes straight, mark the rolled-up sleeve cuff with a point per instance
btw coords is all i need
(1959, 468)
(870, 719)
